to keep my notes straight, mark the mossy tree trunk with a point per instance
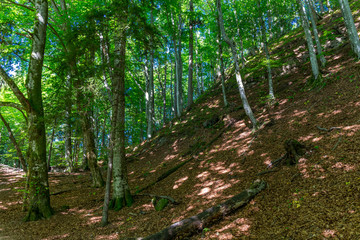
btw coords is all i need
(121, 193)
(39, 195)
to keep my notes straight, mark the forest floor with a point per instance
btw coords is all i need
(319, 198)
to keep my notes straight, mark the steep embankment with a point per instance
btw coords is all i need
(318, 198)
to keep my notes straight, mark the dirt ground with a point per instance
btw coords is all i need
(319, 198)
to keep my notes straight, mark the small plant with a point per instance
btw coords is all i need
(316, 147)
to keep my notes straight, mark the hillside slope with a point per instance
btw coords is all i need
(315, 199)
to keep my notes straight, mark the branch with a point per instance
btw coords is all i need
(19, 95)
(58, 36)
(14, 142)
(14, 105)
(136, 81)
(20, 5)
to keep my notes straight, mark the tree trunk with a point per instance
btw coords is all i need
(191, 56)
(316, 36)
(121, 191)
(221, 64)
(305, 24)
(266, 50)
(150, 90)
(178, 68)
(68, 106)
(39, 196)
(89, 146)
(51, 145)
(350, 26)
(232, 45)
(14, 142)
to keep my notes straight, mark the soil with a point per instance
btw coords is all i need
(318, 198)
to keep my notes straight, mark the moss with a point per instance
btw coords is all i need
(161, 204)
(120, 202)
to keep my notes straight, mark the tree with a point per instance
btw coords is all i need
(191, 55)
(350, 26)
(232, 45)
(121, 191)
(316, 34)
(266, 50)
(38, 185)
(305, 24)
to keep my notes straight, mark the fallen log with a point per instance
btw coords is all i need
(189, 226)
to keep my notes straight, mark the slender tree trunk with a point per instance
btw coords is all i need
(232, 45)
(350, 26)
(51, 145)
(15, 144)
(305, 24)
(178, 65)
(242, 58)
(172, 99)
(221, 64)
(191, 56)
(121, 191)
(68, 106)
(150, 90)
(316, 36)
(163, 93)
(267, 55)
(39, 196)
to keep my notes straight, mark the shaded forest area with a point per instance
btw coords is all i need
(179, 119)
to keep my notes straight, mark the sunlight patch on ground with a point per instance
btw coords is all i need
(343, 166)
(241, 226)
(202, 176)
(179, 182)
(108, 237)
(63, 236)
(329, 233)
(2, 206)
(204, 191)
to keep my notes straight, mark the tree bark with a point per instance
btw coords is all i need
(39, 196)
(51, 145)
(197, 223)
(232, 45)
(221, 64)
(316, 35)
(267, 54)
(121, 191)
(305, 24)
(350, 26)
(191, 56)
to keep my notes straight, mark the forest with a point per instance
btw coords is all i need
(170, 119)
